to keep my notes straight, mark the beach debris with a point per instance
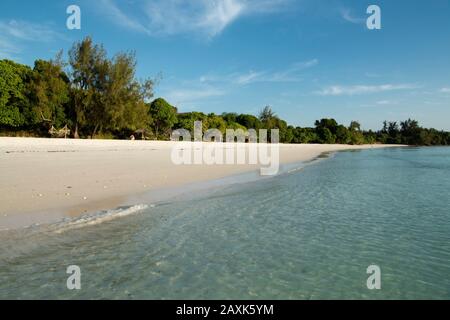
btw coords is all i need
(40, 195)
(105, 187)
(55, 133)
(84, 198)
(67, 194)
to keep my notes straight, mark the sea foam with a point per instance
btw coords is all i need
(104, 216)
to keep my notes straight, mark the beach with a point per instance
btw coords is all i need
(44, 180)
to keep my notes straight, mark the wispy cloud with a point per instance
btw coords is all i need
(192, 94)
(23, 30)
(363, 89)
(445, 90)
(347, 15)
(7, 49)
(386, 102)
(249, 77)
(120, 18)
(14, 33)
(291, 74)
(172, 17)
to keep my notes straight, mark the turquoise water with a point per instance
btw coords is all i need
(309, 234)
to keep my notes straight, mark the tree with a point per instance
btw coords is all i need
(267, 117)
(249, 121)
(164, 116)
(326, 130)
(216, 122)
(393, 132)
(304, 135)
(330, 124)
(124, 97)
(230, 117)
(325, 136)
(354, 126)
(186, 121)
(89, 71)
(106, 94)
(410, 132)
(289, 135)
(14, 103)
(282, 126)
(49, 92)
(343, 135)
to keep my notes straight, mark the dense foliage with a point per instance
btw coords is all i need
(99, 97)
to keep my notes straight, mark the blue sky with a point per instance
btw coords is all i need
(308, 59)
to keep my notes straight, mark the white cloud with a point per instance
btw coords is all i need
(14, 33)
(7, 49)
(22, 30)
(347, 16)
(290, 74)
(363, 89)
(183, 96)
(250, 77)
(171, 17)
(445, 90)
(120, 17)
(386, 102)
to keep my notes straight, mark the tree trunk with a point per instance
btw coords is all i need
(75, 133)
(95, 131)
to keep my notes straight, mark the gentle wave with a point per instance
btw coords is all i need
(101, 217)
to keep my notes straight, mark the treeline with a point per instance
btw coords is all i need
(93, 96)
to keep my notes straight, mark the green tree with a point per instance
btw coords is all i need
(249, 121)
(230, 117)
(325, 135)
(124, 97)
(289, 135)
(14, 103)
(326, 130)
(330, 124)
(343, 135)
(392, 132)
(216, 122)
(164, 116)
(88, 76)
(305, 135)
(354, 126)
(267, 117)
(410, 132)
(49, 92)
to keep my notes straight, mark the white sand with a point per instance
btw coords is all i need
(71, 177)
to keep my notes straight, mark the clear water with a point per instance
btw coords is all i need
(309, 234)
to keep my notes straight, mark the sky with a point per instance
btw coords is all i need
(307, 59)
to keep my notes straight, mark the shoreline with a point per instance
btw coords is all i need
(43, 181)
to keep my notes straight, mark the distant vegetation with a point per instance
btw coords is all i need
(93, 96)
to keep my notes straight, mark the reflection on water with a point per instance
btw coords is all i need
(308, 234)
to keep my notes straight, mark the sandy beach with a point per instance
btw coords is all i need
(42, 180)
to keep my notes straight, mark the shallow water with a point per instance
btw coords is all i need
(307, 234)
